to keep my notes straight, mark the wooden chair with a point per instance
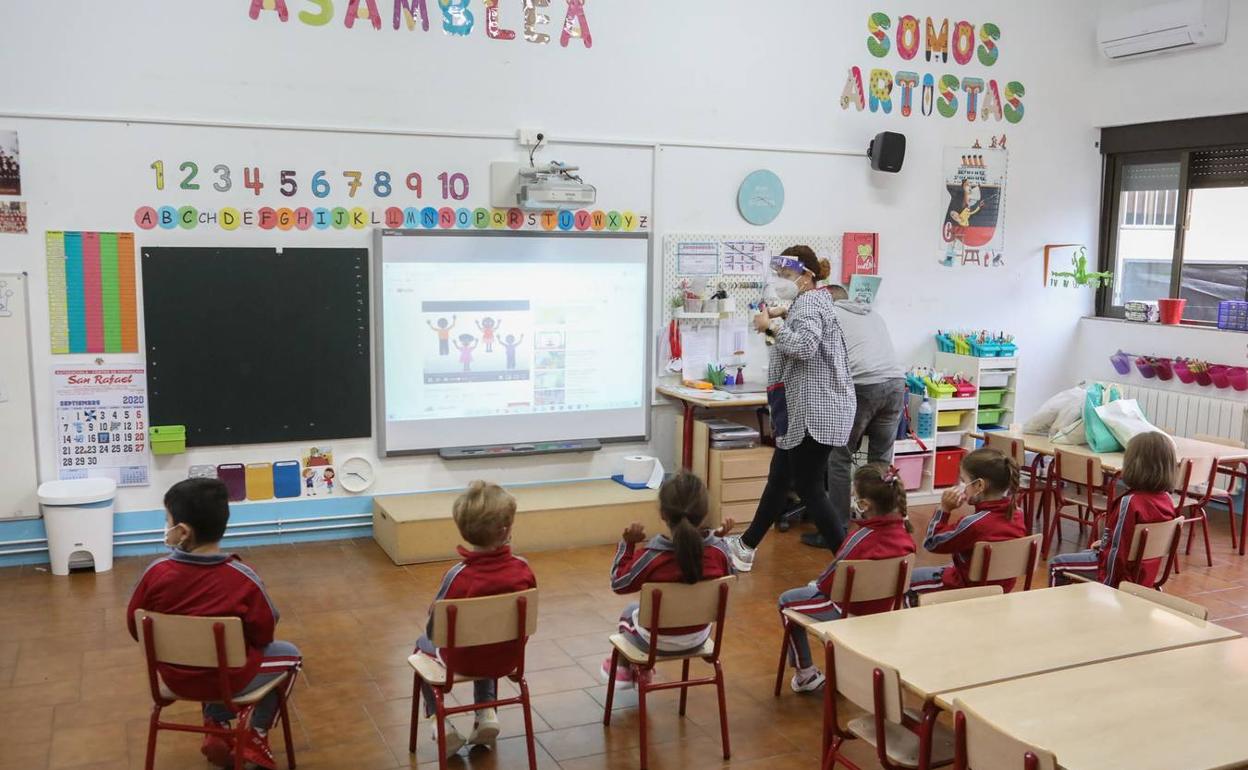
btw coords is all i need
(981, 745)
(667, 606)
(958, 594)
(894, 732)
(464, 623)
(1166, 600)
(1235, 472)
(1031, 495)
(210, 643)
(1159, 540)
(1005, 559)
(1195, 500)
(854, 581)
(1091, 498)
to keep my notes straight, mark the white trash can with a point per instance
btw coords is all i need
(78, 517)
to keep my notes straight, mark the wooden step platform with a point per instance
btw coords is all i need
(418, 527)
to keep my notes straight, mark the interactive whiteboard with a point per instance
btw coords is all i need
(511, 337)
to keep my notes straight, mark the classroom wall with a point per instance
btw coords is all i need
(667, 112)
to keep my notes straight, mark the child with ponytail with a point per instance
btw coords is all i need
(989, 480)
(687, 554)
(879, 509)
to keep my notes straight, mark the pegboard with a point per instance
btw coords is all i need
(729, 249)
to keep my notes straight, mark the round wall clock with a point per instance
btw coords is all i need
(356, 474)
(761, 197)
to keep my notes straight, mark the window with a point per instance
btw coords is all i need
(1175, 214)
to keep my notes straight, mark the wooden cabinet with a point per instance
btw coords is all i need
(735, 481)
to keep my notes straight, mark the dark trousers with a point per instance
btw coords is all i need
(876, 420)
(804, 469)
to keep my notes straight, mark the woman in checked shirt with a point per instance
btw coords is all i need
(811, 397)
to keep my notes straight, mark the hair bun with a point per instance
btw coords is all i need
(825, 270)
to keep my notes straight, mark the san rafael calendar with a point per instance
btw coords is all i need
(101, 424)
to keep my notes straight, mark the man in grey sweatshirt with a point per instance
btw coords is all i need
(879, 384)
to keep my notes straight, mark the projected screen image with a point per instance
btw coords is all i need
(497, 339)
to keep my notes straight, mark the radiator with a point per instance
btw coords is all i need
(1189, 415)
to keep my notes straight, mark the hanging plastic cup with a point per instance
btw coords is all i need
(1146, 368)
(1203, 377)
(1238, 377)
(1163, 368)
(1183, 373)
(1121, 362)
(1220, 375)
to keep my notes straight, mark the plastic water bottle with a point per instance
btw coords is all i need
(927, 419)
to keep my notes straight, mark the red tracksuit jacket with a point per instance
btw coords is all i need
(484, 573)
(992, 521)
(215, 585)
(1131, 509)
(880, 537)
(656, 563)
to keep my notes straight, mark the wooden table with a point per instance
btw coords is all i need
(1180, 708)
(946, 647)
(692, 403)
(1199, 452)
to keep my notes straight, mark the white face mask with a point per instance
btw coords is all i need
(785, 288)
(175, 546)
(857, 511)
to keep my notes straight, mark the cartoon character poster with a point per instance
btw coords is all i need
(319, 480)
(972, 229)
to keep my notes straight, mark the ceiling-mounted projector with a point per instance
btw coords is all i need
(554, 185)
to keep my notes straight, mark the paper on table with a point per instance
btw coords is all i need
(733, 333)
(697, 347)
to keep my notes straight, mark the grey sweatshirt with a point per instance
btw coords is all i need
(872, 359)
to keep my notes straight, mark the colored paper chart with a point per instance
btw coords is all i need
(92, 304)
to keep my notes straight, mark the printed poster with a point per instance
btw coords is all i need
(13, 217)
(10, 165)
(101, 424)
(972, 230)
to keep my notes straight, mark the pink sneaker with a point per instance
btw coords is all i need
(623, 674)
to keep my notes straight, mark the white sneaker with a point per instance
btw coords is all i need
(807, 680)
(742, 555)
(454, 741)
(485, 730)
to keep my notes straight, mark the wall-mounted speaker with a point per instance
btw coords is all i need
(887, 151)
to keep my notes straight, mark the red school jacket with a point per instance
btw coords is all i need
(656, 563)
(484, 573)
(880, 537)
(1131, 509)
(207, 585)
(992, 521)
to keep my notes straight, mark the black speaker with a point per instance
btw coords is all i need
(887, 151)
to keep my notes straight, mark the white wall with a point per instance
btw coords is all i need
(697, 72)
(1100, 338)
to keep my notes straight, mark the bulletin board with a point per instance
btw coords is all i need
(258, 345)
(737, 261)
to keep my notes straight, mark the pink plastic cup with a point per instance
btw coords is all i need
(1162, 365)
(1220, 376)
(1238, 377)
(1183, 373)
(1203, 378)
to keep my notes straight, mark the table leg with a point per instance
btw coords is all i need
(686, 450)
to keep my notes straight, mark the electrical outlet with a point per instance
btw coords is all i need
(528, 136)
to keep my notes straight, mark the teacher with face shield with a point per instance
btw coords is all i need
(810, 395)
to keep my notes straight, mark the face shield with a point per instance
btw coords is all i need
(785, 273)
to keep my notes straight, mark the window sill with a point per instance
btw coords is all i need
(1185, 325)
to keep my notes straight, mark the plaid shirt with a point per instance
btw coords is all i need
(809, 357)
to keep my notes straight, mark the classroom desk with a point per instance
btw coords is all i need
(1180, 708)
(955, 646)
(1201, 453)
(692, 403)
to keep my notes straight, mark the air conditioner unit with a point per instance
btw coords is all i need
(1168, 26)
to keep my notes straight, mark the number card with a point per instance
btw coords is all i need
(101, 424)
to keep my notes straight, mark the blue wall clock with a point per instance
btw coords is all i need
(761, 197)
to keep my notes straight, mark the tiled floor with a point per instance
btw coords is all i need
(73, 691)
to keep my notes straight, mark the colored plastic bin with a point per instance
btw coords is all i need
(910, 468)
(1233, 314)
(991, 397)
(948, 461)
(950, 419)
(990, 416)
(167, 439)
(78, 518)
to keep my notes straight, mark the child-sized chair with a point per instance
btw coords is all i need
(1090, 498)
(1031, 495)
(854, 581)
(666, 606)
(1166, 600)
(204, 642)
(1159, 540)
(981, 745)
(888, 728)
(1235, 472)
(929, 598)
(1005, 559)
(1194, 502)
(462, 623)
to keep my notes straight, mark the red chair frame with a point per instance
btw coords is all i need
(440, 691)
(1038, 484)
(903, 572)
(238, 733)
(1030, 760)
(644, 687)
(834, 737)
(1054, 490)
